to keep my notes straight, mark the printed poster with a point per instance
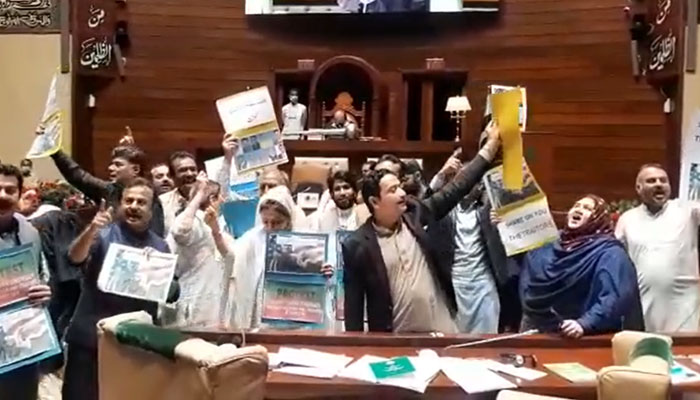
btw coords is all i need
(49, 132)
(27, 335)
(250, 116)
(18, 272)
(248, 113)
(144, 274)
(294, 290)
(526, 221)
(340, 274)
(690, 159)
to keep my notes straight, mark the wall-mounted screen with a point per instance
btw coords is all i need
(254, 7)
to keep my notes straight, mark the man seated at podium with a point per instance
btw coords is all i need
(342, 121)
(583, 284)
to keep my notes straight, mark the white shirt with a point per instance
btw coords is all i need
(172, 203)
(664, 249)
(293, 117)
(203, 272)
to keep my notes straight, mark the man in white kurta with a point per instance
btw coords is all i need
(661, 237)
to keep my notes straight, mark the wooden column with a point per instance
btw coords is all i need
(426, 121)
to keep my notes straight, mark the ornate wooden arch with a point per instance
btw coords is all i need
(362, 64)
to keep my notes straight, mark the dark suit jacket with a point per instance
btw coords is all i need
(97, 189)
(365, 276)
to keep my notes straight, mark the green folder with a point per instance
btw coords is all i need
(391, 368)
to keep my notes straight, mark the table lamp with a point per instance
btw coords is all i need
(458, 106)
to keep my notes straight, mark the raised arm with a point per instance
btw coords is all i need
(91, 186)
(80, 248)
(442, 202)
(223, 177)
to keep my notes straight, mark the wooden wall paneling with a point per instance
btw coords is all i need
(573, 57)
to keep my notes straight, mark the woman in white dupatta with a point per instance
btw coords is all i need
(277, 212)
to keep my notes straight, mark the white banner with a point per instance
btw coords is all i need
(527, 227)
(248, 113)
(690, 160)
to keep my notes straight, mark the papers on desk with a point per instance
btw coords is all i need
(308, 362)
(427, 366)
(682, 374)
(473, 375)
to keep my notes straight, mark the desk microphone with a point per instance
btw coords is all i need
(492, 340)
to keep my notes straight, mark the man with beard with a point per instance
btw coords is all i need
(15, 230)
(160, 176)
(131, 228)
(127, 164)
(661, 237)
(390, 263)
(343, 213)
(183, 166)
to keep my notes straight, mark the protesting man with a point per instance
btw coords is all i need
(15, 230)
(131, 228)
(661, 237)
(391, 264)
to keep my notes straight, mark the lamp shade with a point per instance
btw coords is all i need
(457, 104)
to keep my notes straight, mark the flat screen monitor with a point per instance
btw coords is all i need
(258, 7)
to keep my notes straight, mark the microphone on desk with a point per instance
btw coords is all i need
(492, 340)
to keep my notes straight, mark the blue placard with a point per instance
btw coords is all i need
(27, 335)
(239, 215)
(294, 290)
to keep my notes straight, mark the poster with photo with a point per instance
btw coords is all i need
(503, 199)
(26, 337)
(144, 274)
(26, 332)
(339, 275)
(690, 159)
(294, 290)
(259, 151)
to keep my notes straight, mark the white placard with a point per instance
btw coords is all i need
(244, 112)
(527, 227)
(144, 274)
(690, 160)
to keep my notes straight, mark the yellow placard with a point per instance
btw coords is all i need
(506, 107)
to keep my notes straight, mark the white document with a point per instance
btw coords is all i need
(242, 113)
(144, 274)
(473, 376)
(312, 359)
(427, 366)
(527, 227)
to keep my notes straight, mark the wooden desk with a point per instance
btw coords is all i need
(594, 352)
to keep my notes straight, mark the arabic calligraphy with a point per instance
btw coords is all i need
(32, 14)
(664, 8)
(96, 53)
(663, 51)
(97, 17)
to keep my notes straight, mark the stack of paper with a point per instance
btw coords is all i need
(308, 362)
(473, 375)
(427, 366)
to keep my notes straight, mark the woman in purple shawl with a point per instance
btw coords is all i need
(583, 284)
